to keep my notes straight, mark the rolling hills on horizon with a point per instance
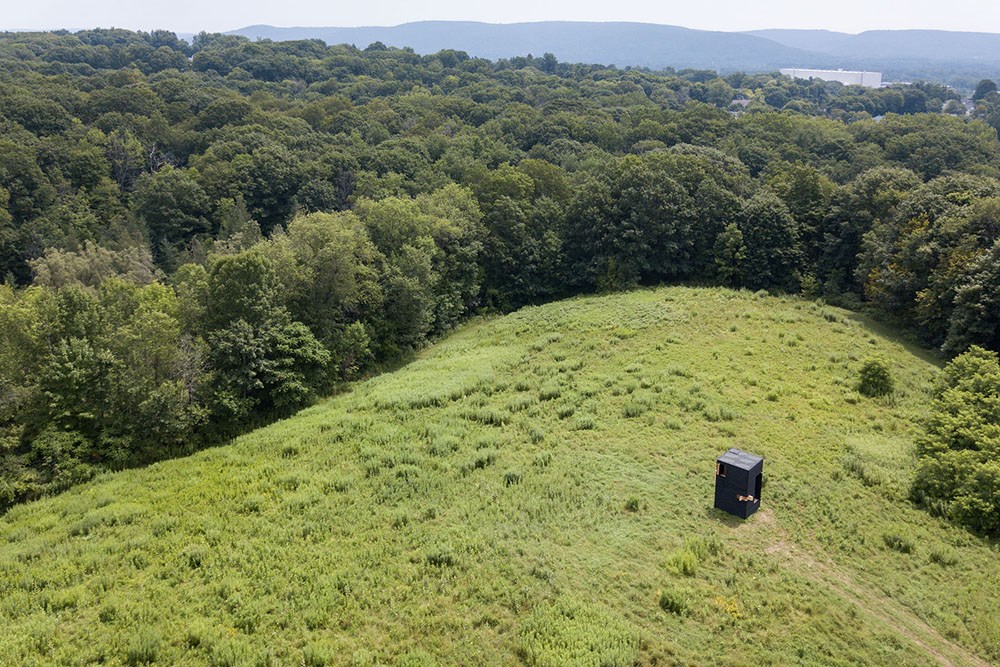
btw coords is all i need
(952, 57)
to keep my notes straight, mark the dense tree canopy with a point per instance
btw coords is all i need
(194, 238)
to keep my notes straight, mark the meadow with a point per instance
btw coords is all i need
(535, 489)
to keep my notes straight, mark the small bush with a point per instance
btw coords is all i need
(549, 392)
(683, 561)
(632, 504)
(195, 555)
(901, 543)
(672, 603)
(875, 379)
(943, 556)
(635, 408)
(511, 477)
(481, 459)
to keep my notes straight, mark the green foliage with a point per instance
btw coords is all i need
(875, 378)
(730, 252)
(672, 603)
(771, 238)
(143, 648)
(897, 542)
(959, 470)
(285, 544)
(568, 633)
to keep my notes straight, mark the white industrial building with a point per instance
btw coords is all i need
(866, 79)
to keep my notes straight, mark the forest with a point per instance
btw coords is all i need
(196, 239)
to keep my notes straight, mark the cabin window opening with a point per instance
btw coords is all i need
(756, 486)
(720, 469)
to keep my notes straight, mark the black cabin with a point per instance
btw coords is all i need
(738, 477)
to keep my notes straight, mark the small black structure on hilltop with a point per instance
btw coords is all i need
(738, 478)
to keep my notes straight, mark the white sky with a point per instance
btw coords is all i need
(221, 15)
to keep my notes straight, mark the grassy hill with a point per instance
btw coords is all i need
(535, 489)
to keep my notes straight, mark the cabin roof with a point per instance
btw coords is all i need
(740, 459)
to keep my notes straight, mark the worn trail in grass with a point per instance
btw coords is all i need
(536, 490)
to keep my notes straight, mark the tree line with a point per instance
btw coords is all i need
(197, 238)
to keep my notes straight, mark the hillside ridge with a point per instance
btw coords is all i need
(901, 54)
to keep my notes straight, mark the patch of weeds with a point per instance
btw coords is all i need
(442, 446)
(673, 424)
(635, 408)
(61, 599)
(316, 655)
(678, 371)
(549, 392)
(143, 647)
(904, 544)
(632, 504)
(672, 602)
(195, 555)
(683, 561)
(107, 613)
(511, 477)
(585, 423)
(943, 556)
(536, 435)
(489, 415)
(572, 633)
(231, 653)
(338, 483)
(565, 411)
(519, 403)
(542, 459)
(719, 413)
(481, 459)
(441, 557)
(253, 504)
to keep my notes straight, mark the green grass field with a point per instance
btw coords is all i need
(536, 489)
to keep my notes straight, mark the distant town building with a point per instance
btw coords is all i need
(866, 79)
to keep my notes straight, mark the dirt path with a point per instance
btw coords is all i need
(873, 603)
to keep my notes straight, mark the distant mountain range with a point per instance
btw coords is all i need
(955, 57)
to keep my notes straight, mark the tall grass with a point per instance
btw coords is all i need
(537, 490)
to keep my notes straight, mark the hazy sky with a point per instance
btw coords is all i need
(220, 15)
